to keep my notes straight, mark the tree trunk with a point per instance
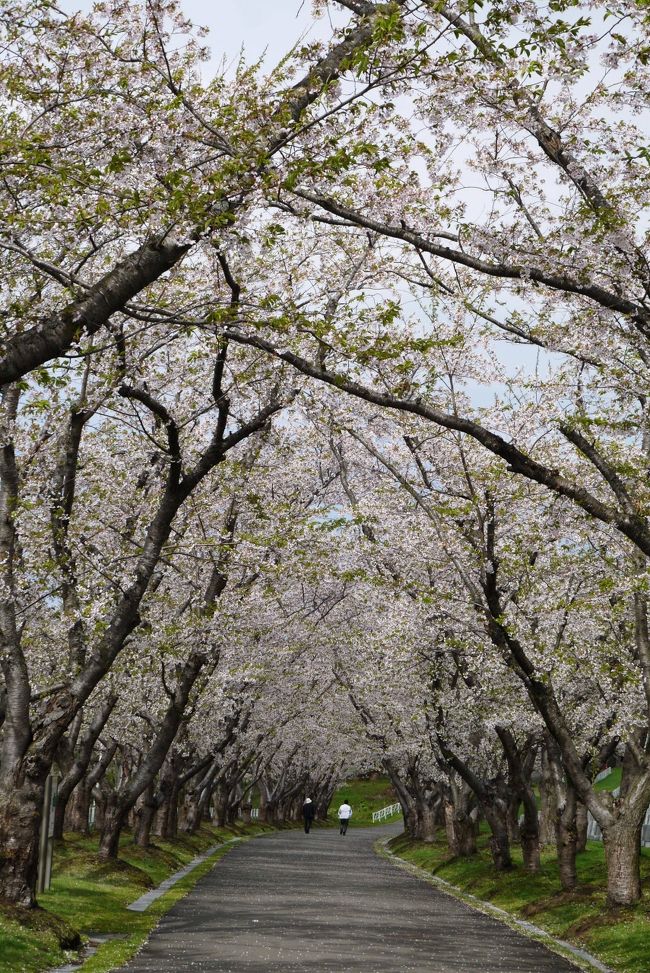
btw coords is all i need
(548, 803)
(582, 823)
(622, 819)
(78, 809)
(426, 822)
(197, 799)
(461, 833)
(79, 766)
(60, 810)
(466, 835)
(529, 833)
(146, 814)
(512, 818)
(496, 816)
(222, 813)
(451, 830)
(459, 827)
(500, 849)
(520, 758)
(171, 826)
(404, 797)
(262, 814)
(567, 842)
(622, 851)
(269, 812)
(21, 809)
(493, 805)
(192, 814)
(530, 848)
(202, 806)
(410, 819)
(101, 802)
(109, 844)
(82, 794)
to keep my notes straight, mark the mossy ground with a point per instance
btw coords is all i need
(90, 896)
(618, 937)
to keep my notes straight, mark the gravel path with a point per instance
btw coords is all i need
(292, 903)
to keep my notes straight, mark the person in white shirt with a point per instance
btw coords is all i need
(345, 813)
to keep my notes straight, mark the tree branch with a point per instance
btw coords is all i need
(631, 526)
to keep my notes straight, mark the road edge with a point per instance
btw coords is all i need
(582, 959)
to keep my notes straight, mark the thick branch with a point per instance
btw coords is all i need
(558, 282)
(51, 337)
(631, 526)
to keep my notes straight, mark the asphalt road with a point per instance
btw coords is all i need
(292, 903)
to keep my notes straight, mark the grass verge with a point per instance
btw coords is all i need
(89, 897)
(620, 938)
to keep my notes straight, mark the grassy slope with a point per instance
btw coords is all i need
(621, 937)
(91, 897)
(365, 796)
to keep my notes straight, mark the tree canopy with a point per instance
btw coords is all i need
(325, 429)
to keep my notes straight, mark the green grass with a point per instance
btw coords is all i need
(619, 937)
(611, 782)
(365, 796)
(31, 944)
(91, 896)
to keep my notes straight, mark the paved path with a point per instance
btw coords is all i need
(296, 903)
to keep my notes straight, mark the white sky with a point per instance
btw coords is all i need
(261, 27)
(257, 25)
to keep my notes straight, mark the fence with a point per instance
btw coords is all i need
(255, 813)
(386, 812)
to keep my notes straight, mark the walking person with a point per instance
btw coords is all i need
(308, 813)
(345, 813)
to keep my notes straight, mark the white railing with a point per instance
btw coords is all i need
(255, 813)
(386, 812)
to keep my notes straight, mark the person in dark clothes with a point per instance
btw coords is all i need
(308, 812)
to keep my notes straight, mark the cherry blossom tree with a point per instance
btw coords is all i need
(326, 387)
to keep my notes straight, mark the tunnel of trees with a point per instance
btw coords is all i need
(325, 429)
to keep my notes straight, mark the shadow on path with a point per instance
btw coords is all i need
(297, 903)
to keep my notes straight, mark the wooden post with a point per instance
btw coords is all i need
(46, 840)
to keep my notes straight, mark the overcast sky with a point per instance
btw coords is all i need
(270, 27)
(273, 26)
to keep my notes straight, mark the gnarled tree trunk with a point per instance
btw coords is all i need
(21, 808)
(623, 851)
(459, 826)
